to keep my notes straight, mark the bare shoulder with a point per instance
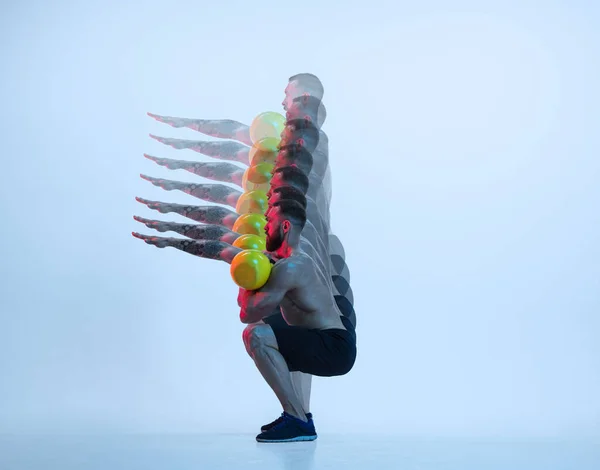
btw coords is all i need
(298, 268)
(298, 263)
(291, 262)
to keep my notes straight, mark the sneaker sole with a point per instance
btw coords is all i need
(293, 439)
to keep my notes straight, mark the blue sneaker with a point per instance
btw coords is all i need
(289, 429)
(266, 427)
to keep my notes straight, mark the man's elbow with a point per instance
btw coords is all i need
(244, 317)
(248, 316)
(253, 314)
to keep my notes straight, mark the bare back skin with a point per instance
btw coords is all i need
(310, 304)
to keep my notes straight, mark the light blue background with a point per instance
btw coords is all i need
(464, 146)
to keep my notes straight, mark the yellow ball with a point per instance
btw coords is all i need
(256, 155)
(250, 186)
(250, 242)
(267, 125)
(250, 269)
(261, 173)
(252, 202)
(253, 224)
(268, 144)
(258, 177)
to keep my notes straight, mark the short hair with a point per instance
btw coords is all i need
(309, 82)
(291, 193)
(304, 133)
(293, 211)
(313, 107)
(301, 124)
(293, 176)
(298, 156)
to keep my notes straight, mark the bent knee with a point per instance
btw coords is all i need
(258, 335)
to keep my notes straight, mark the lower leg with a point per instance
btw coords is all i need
(302, 385)
(262, 347)
(273, 368)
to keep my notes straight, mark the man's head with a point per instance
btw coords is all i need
(300, 84)
(287, 192)
(294, 155)
(307, 107)
(302, 132)
(285, 221)
(289, 176)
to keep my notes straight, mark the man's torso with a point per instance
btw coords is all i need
(311, 303)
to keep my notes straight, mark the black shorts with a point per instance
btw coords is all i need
(325, 353)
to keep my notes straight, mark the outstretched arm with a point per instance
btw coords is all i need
(194, 231)
(204, 214)
(208, 249)
(258, 304)
(217, 193)
(233, 151)
(224, 172)
(221, 128)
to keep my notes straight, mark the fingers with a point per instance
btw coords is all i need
(169, 163)
(176, 143)
(160, 242)
(171, 121)
(141, 237)
(169, 185)
(158, 225)
(163, 183)
(162, 207)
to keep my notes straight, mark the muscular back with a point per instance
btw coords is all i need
(310, 304)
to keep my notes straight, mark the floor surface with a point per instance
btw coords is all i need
(240, 451)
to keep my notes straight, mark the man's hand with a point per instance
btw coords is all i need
(241, 296)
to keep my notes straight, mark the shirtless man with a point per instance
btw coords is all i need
(287, 183)
(318, 342)
(297, 106)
